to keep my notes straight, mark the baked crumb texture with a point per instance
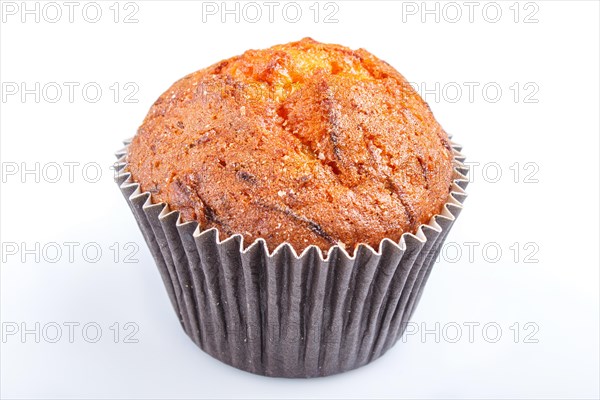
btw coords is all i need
(305, 143)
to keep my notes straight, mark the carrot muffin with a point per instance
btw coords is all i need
(314, 148)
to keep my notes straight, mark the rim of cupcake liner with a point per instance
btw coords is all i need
(450, 211)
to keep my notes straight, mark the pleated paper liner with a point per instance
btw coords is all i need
(283, 314)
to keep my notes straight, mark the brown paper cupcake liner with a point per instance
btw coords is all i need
(283, 314)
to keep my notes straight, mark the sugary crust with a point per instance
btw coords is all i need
(306, 143)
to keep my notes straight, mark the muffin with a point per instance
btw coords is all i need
(294, 199)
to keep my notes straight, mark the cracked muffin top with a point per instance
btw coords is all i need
(306, 143)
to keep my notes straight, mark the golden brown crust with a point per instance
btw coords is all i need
(306, 143)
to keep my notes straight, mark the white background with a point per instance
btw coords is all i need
(554, 221)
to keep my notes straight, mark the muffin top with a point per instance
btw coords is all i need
(305, 143)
